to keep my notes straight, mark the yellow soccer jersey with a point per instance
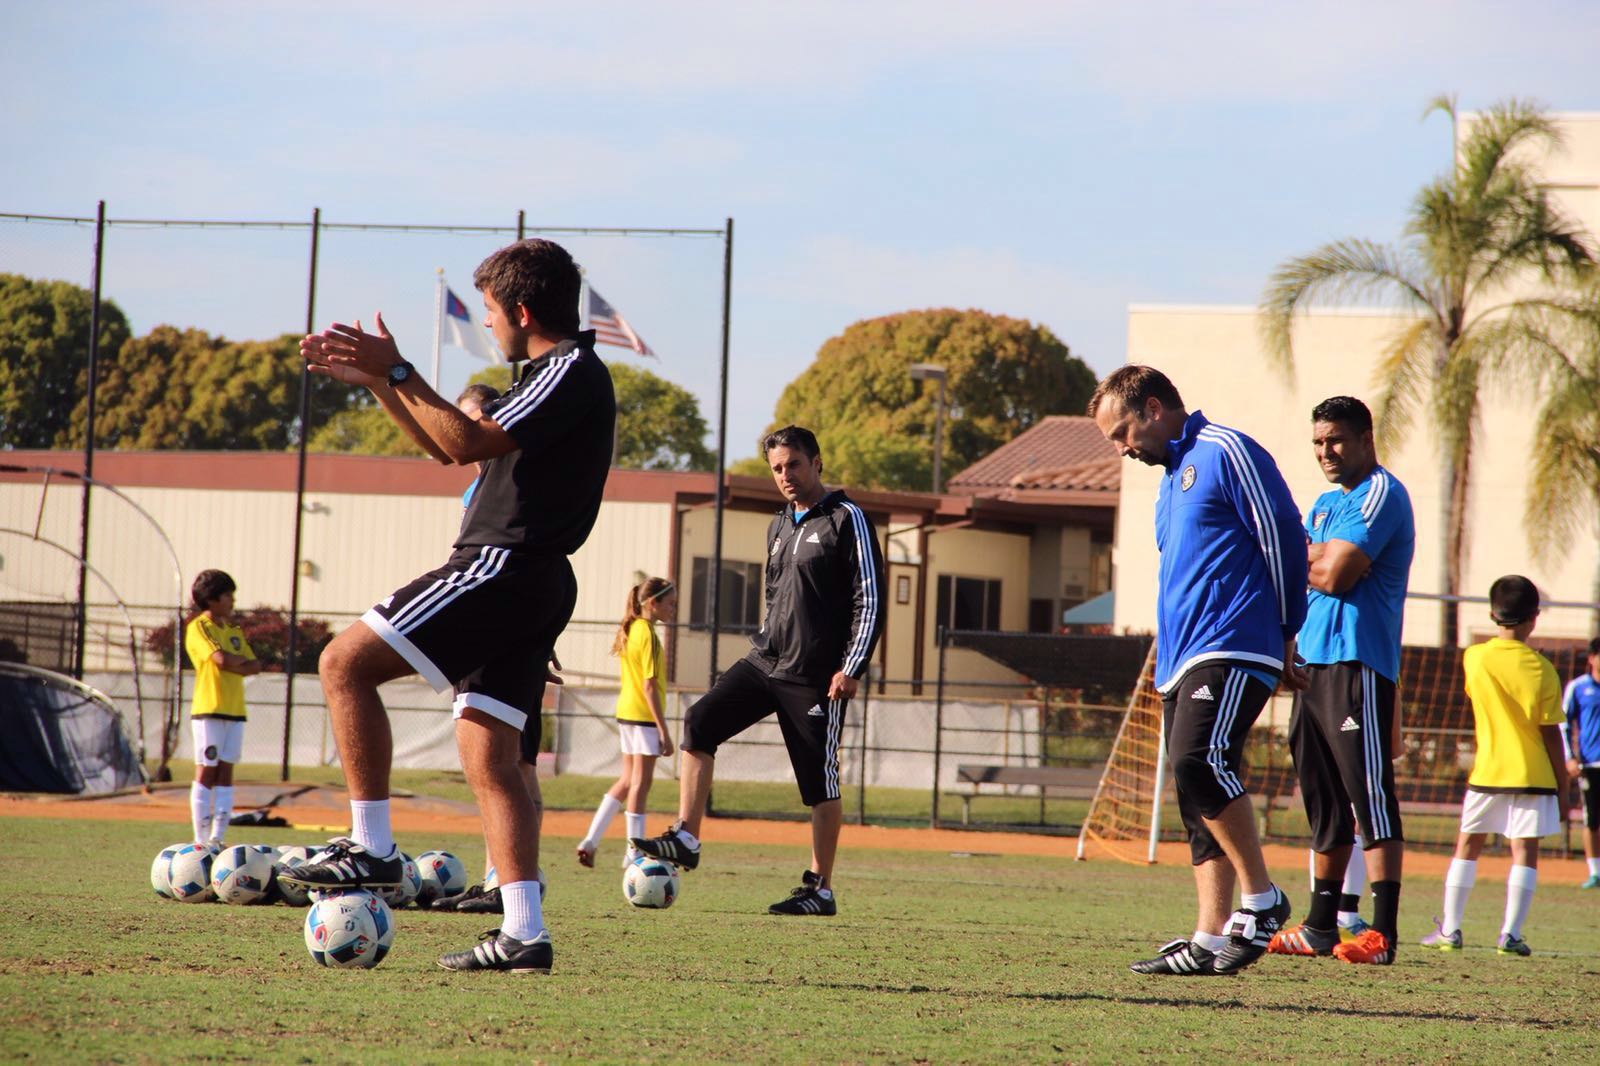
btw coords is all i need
(1514, 690)
(218, 693)
(641, 666)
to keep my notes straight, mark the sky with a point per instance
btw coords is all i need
(1051, 161)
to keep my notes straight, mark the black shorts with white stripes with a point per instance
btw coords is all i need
(1589, 787)
(1340, 736)
(1208, 715)
(811, 723)
(485, 623)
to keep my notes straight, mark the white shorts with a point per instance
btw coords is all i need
(1514, 815)
(639, 738)
(217, 740)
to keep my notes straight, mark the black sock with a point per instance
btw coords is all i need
(1350, 902)
(1324, 912)
(1386, 909)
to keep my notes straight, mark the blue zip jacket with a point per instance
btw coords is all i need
(1233, 555)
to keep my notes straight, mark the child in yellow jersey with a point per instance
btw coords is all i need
(1519, 770)
(641, 712)
(222, 660)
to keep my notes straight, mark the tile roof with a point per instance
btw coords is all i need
(1060, 453)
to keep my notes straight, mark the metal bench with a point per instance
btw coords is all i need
(1075, 781)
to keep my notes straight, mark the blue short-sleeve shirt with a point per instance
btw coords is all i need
(1363, 623)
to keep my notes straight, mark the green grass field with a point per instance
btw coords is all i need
(933, 958)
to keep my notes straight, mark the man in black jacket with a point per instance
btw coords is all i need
(824, 616)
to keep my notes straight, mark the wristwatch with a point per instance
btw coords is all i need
(399, 374)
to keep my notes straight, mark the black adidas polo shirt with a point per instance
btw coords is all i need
(562, 413)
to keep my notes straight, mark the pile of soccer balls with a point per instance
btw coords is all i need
(346, 929)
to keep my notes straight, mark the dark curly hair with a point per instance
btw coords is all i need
(209, 585)
(538, 274)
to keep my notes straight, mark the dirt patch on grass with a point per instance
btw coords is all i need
(324, 811)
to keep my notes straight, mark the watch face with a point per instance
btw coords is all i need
(399, 374)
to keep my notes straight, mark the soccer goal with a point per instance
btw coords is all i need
(1124, 817)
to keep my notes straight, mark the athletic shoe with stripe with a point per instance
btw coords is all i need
(669, 847)
(807, 899)
(1371, 947)
(1249, 933)
(497, 951)
(1442, 940)
(1182, 958)
(450, 903)
(1303, 940)
(1592, 882)
(346, 864)
(1512, 945)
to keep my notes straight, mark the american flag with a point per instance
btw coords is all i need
(611, 328)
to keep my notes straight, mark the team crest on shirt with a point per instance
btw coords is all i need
(1187, 480)
(1318, 518)
(776, 544)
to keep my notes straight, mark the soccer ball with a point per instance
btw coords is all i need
(161, 871)
(349, 930)
(242, 873)
(649, 882)
(442, 875)
(410, 884)
(290, 856)
(190, 872)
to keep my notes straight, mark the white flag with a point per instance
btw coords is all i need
(459, 330)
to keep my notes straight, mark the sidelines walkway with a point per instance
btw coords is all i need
(325, 812)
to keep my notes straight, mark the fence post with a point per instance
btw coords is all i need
(88, 448)
(861, 784)
(292, 653)
(938, 729)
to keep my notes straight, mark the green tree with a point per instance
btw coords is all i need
(875, 423)
(1477, 237)
(44, 336)
(186, 389)
(364, 429)
(658, 423)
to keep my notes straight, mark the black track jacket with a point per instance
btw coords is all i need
(824, 593)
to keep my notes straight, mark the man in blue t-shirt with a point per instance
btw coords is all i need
(1228, 606)
(1582, 739)
(1344, 729)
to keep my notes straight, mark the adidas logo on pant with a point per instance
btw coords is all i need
(1349, 726)
(1203, 693)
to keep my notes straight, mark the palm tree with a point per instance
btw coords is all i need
(1477, 236)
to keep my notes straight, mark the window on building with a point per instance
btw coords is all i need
(739, 591)
(1041, 616)
(967, 603)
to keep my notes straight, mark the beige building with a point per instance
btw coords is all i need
(1215, 357)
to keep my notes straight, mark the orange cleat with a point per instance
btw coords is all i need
(1371, 947)
(1303, 940)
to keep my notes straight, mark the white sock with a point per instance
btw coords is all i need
(369, 826)
(1594, 867)
(1355, 874)
(1311, 868)
(524, 917)
(688, 838)
(1458, 882)
(635, 825)
(200, 811)
(1520, 884)
(221, 810)
(1258, 901)
(1212, 942)
(609, 806)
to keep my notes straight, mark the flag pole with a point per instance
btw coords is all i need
(438, 326)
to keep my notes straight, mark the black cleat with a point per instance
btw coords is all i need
(483, 903)
(346, 864)
(1249, 933)
(450, 903)
(500, 952)
(807, 899)
(1180, 957)
(669, 847)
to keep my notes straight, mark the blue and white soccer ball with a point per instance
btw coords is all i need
(190, 873)
(442, 875)
(161, 871)
(650, 882)
(243, 873)
(410, 884)
(348, 930)
(290, 856)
